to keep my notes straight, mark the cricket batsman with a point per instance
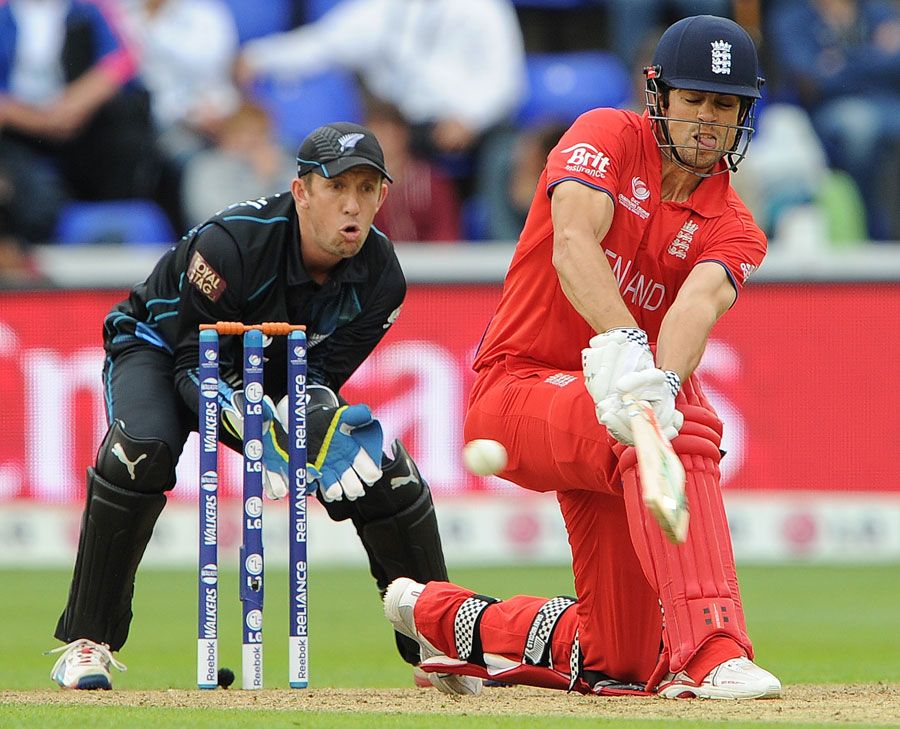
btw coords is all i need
(634, 246)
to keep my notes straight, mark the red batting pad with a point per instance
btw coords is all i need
(696, 581)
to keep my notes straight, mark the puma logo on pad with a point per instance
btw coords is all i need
(119, 453)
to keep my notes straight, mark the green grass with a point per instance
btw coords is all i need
(809, 625)
(153, 718)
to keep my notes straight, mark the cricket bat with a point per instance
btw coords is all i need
(661, 472)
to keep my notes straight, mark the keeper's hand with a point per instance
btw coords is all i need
(345, 444)
(656, 387)
(274, 440)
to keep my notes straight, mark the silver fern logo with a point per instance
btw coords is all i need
(349, 141)
(721, 57)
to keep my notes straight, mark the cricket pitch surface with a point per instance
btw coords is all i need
(830, 704)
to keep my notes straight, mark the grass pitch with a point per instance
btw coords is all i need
(810, 625)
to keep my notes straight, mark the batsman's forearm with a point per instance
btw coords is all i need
(683, 336)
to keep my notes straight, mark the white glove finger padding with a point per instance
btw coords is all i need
(281, 412)
(275, 486)
(636, 383)
(613, 415)
(672, 429)
(353, 488)
(332, 492)
(619, 427)
(366, 468)
(352, 482)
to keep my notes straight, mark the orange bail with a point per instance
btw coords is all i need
(272, 328)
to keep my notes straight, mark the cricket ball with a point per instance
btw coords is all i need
(484, 457)
(226, 677)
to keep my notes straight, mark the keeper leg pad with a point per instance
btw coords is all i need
(397, 525)
(115, 530)
(135, 464)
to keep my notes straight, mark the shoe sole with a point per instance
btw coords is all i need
(88, 682)
(93, 683)
(690, 692)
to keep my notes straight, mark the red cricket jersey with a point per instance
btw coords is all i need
(651, 246)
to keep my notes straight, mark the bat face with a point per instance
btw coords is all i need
(662, 475)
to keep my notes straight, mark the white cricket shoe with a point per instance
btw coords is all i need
(399, 602)
(84, 664)
(738, 678)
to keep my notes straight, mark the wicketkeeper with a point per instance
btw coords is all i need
(308, 256)
(634, 246)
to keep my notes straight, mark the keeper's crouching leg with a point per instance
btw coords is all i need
(397, 525)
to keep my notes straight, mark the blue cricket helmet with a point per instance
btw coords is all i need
(708, 53)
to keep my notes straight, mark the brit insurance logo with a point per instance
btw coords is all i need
(586, 158)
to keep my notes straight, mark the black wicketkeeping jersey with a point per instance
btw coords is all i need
(244, 264)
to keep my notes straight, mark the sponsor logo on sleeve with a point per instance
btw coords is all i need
(586, 159)
(205, 278)
(747, 270)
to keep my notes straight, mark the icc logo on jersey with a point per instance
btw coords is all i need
(586, 158)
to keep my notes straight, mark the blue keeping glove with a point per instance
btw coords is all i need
(274, 440)
(349, 457)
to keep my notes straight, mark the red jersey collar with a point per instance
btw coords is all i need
(709, 199)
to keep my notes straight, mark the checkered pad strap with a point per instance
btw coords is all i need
(574, 662)
(537, 645)
(465, 628)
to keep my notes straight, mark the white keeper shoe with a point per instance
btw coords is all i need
(399, 602)
(84, 664)
(738, 678)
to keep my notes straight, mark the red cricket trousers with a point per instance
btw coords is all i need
(644, 606)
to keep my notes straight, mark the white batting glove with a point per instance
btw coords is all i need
(656, 387)
(609, 356)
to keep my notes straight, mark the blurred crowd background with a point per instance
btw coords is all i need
(130, 121)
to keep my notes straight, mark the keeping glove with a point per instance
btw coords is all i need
(274, 439)
(346, 443)
(612, 354)
(658, 388)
